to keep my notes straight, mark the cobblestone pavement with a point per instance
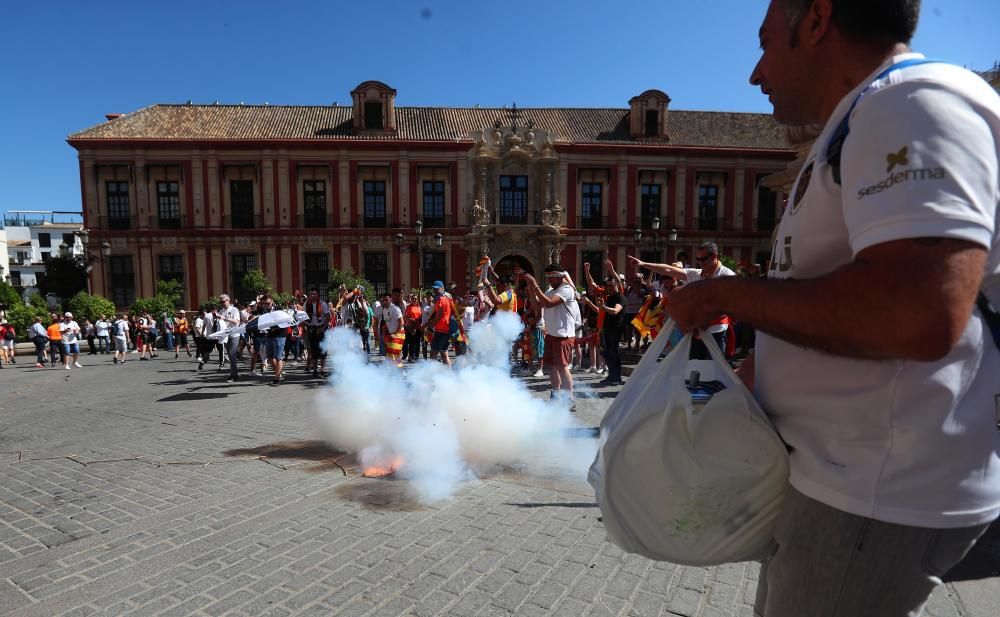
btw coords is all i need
(152, 489)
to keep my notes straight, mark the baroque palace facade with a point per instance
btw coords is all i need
(408, 195)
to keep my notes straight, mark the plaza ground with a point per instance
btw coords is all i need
(152, 489)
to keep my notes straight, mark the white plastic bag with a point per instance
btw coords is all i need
(686, 484)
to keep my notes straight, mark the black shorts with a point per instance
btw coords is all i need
(441, 341)
(182, 338)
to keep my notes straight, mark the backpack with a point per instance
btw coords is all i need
(360, 315)
(8, 333)
(116, 329)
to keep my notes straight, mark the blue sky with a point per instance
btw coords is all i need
(67, 63)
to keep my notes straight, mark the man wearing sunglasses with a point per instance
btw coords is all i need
(877, 348)
(709, 267)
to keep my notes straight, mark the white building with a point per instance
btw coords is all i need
(30, 236)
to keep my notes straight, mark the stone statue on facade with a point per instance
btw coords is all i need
(552, 216)
(480, 215)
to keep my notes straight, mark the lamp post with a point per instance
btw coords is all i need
(84, 236)
(106, 253)
(437, 240)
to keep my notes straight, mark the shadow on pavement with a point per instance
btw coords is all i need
(192, 396)
(983, 561)
(325, 457)
(569, 504)
(379, 495)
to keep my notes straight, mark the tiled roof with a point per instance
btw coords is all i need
(13, 243)
(568, 125)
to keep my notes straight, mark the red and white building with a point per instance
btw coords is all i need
(202, 193)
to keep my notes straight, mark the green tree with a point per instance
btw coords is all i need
(38, 300)
(210, 304)
(64, 276)
(282, 299)
(172, 291)
(257, 281)
(85, 306)
(9, 298)
(22, 315)
(155, 306)
(349, 280)
(730, 263)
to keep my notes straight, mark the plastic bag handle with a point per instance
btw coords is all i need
(647, 364)
(720, 361)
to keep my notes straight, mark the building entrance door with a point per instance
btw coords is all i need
(511, 264)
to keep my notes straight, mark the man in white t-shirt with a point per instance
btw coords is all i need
(119, 338)
(872, 358)
(103, 331)
(707, 257)
(561, 313)
(70, 331)
(230, 317)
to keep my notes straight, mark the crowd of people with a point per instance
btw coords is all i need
(566, 328)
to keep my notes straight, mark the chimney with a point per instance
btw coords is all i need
(648, 115)
(111, 117)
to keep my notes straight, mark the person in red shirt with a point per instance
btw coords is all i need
(440, 322)
(411, 317)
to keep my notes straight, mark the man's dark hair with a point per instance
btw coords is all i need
(314, 289)
(553, 268)
(709, 247)
(868, 21)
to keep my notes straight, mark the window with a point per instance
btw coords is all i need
(15, 278)
(708, 207)
(767, 206)
(314, 202)
(513, 200)
(241, 204)
(377, 271)
(591, 205)
(373, 115)
(122, 280)
(171, 268)
(374, 203)
(596, 261)
(316, 272)
(652, 123)
(434, 268)
(45, 240)
(119, 216)
(433, 204)
(168, 205)
(70, 240)
(46, 255)
(649, 204)
(242, 263)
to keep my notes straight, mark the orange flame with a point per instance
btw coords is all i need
(382, 470)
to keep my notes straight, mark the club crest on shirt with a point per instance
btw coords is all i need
(802, 186)
(896, 158)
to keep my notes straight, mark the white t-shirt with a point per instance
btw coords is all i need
(227, 317)
(912, 443)
(468, 317)
(392, 316)
(70, 331)
(561, 319)
(694, 274)
(102, 327)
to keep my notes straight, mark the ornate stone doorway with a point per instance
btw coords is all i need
(505, 267)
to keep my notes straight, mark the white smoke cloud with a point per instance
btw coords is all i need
(446, 424)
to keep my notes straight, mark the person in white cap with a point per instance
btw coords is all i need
(70, 331)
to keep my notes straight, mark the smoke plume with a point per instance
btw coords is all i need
(442, 426)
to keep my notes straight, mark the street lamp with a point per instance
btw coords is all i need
(106, 253)
(436, 241)
(84, 236)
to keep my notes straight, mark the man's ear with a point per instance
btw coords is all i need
(816, 23)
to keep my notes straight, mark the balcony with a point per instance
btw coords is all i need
(707, 224)
(438, 222)
(592, 222)
(168, 223)
(375, 222)
(528, 217)
(117, 223)
(241, 221)
(316, 219)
